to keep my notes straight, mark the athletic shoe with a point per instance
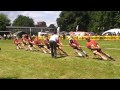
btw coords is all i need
(86, 55)
(112, 58)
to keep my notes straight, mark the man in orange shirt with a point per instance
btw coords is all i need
(59, 48)
(24, 40)
(95, 48)
(39, 43)
(47, 44)
(76, 46)
(17, 43)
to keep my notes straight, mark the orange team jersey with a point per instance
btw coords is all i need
(16, 41)
(46, 41)
(76, 42)
(30, 41)
(24, 39)
(59, 41)
(38, 41)
(92, 42)
(73, 42)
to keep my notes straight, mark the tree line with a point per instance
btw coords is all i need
(22, 21)
(90, 21)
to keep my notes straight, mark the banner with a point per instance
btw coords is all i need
(92, 37)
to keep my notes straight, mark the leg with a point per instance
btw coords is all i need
(78, 52)
(108, 56)
(46, 49)
(29, 46)
(58, 51)
(62, 51)
(51, 46)
(100, 54)
(19, 46)
(54, 49)
(43, 49)
(83, 52)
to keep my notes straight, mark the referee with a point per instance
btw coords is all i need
(53, 44)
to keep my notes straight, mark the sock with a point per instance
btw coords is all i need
(79, 54)
(84, 52)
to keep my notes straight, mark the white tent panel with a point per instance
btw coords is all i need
(111, 31)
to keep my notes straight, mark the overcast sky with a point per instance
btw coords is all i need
(48, 16)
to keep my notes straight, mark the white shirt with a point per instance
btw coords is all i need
(54, 38)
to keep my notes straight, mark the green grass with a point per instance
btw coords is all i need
(21, 64)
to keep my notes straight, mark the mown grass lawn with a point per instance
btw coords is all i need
(21, 64)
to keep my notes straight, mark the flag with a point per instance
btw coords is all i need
(77, 28)
(58, 30)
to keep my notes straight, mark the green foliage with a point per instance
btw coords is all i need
(52, 26)
(23, 21)
(92, 21)
(41, 24)
(4, 21)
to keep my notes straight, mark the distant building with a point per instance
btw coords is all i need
(41, 24)
(29, 30)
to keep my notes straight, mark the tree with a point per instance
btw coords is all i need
(41, 24)
(23, 21)
(4, 21)
(52, 26)
(70, 19)
(91, 21)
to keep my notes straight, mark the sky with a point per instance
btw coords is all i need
(48, 16)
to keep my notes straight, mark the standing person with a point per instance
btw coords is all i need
(64, 37)
(53, 44)
(4, 36)
(95, 48)
(76, 46)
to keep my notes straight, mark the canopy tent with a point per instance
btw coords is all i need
(19, 34)
(111, 31)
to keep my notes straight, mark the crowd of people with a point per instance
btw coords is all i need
(6, 36)
(53, 46)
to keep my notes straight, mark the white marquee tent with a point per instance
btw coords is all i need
(112, 31)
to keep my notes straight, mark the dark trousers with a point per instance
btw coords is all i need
(53, 46)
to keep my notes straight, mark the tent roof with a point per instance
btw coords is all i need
(112, 31)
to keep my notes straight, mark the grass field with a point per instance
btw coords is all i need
(21, 64)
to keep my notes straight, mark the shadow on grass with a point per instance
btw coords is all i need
(9, 78)
(81, 57)
(103, 60)
(61, 56)
(98, 58)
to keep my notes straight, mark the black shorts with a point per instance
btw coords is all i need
(24, 43)
(41, 46)
(94, 51)
(58, 46)
(48, 46)
(76, 48)
(31, 45)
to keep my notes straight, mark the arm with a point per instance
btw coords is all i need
(95, 48)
